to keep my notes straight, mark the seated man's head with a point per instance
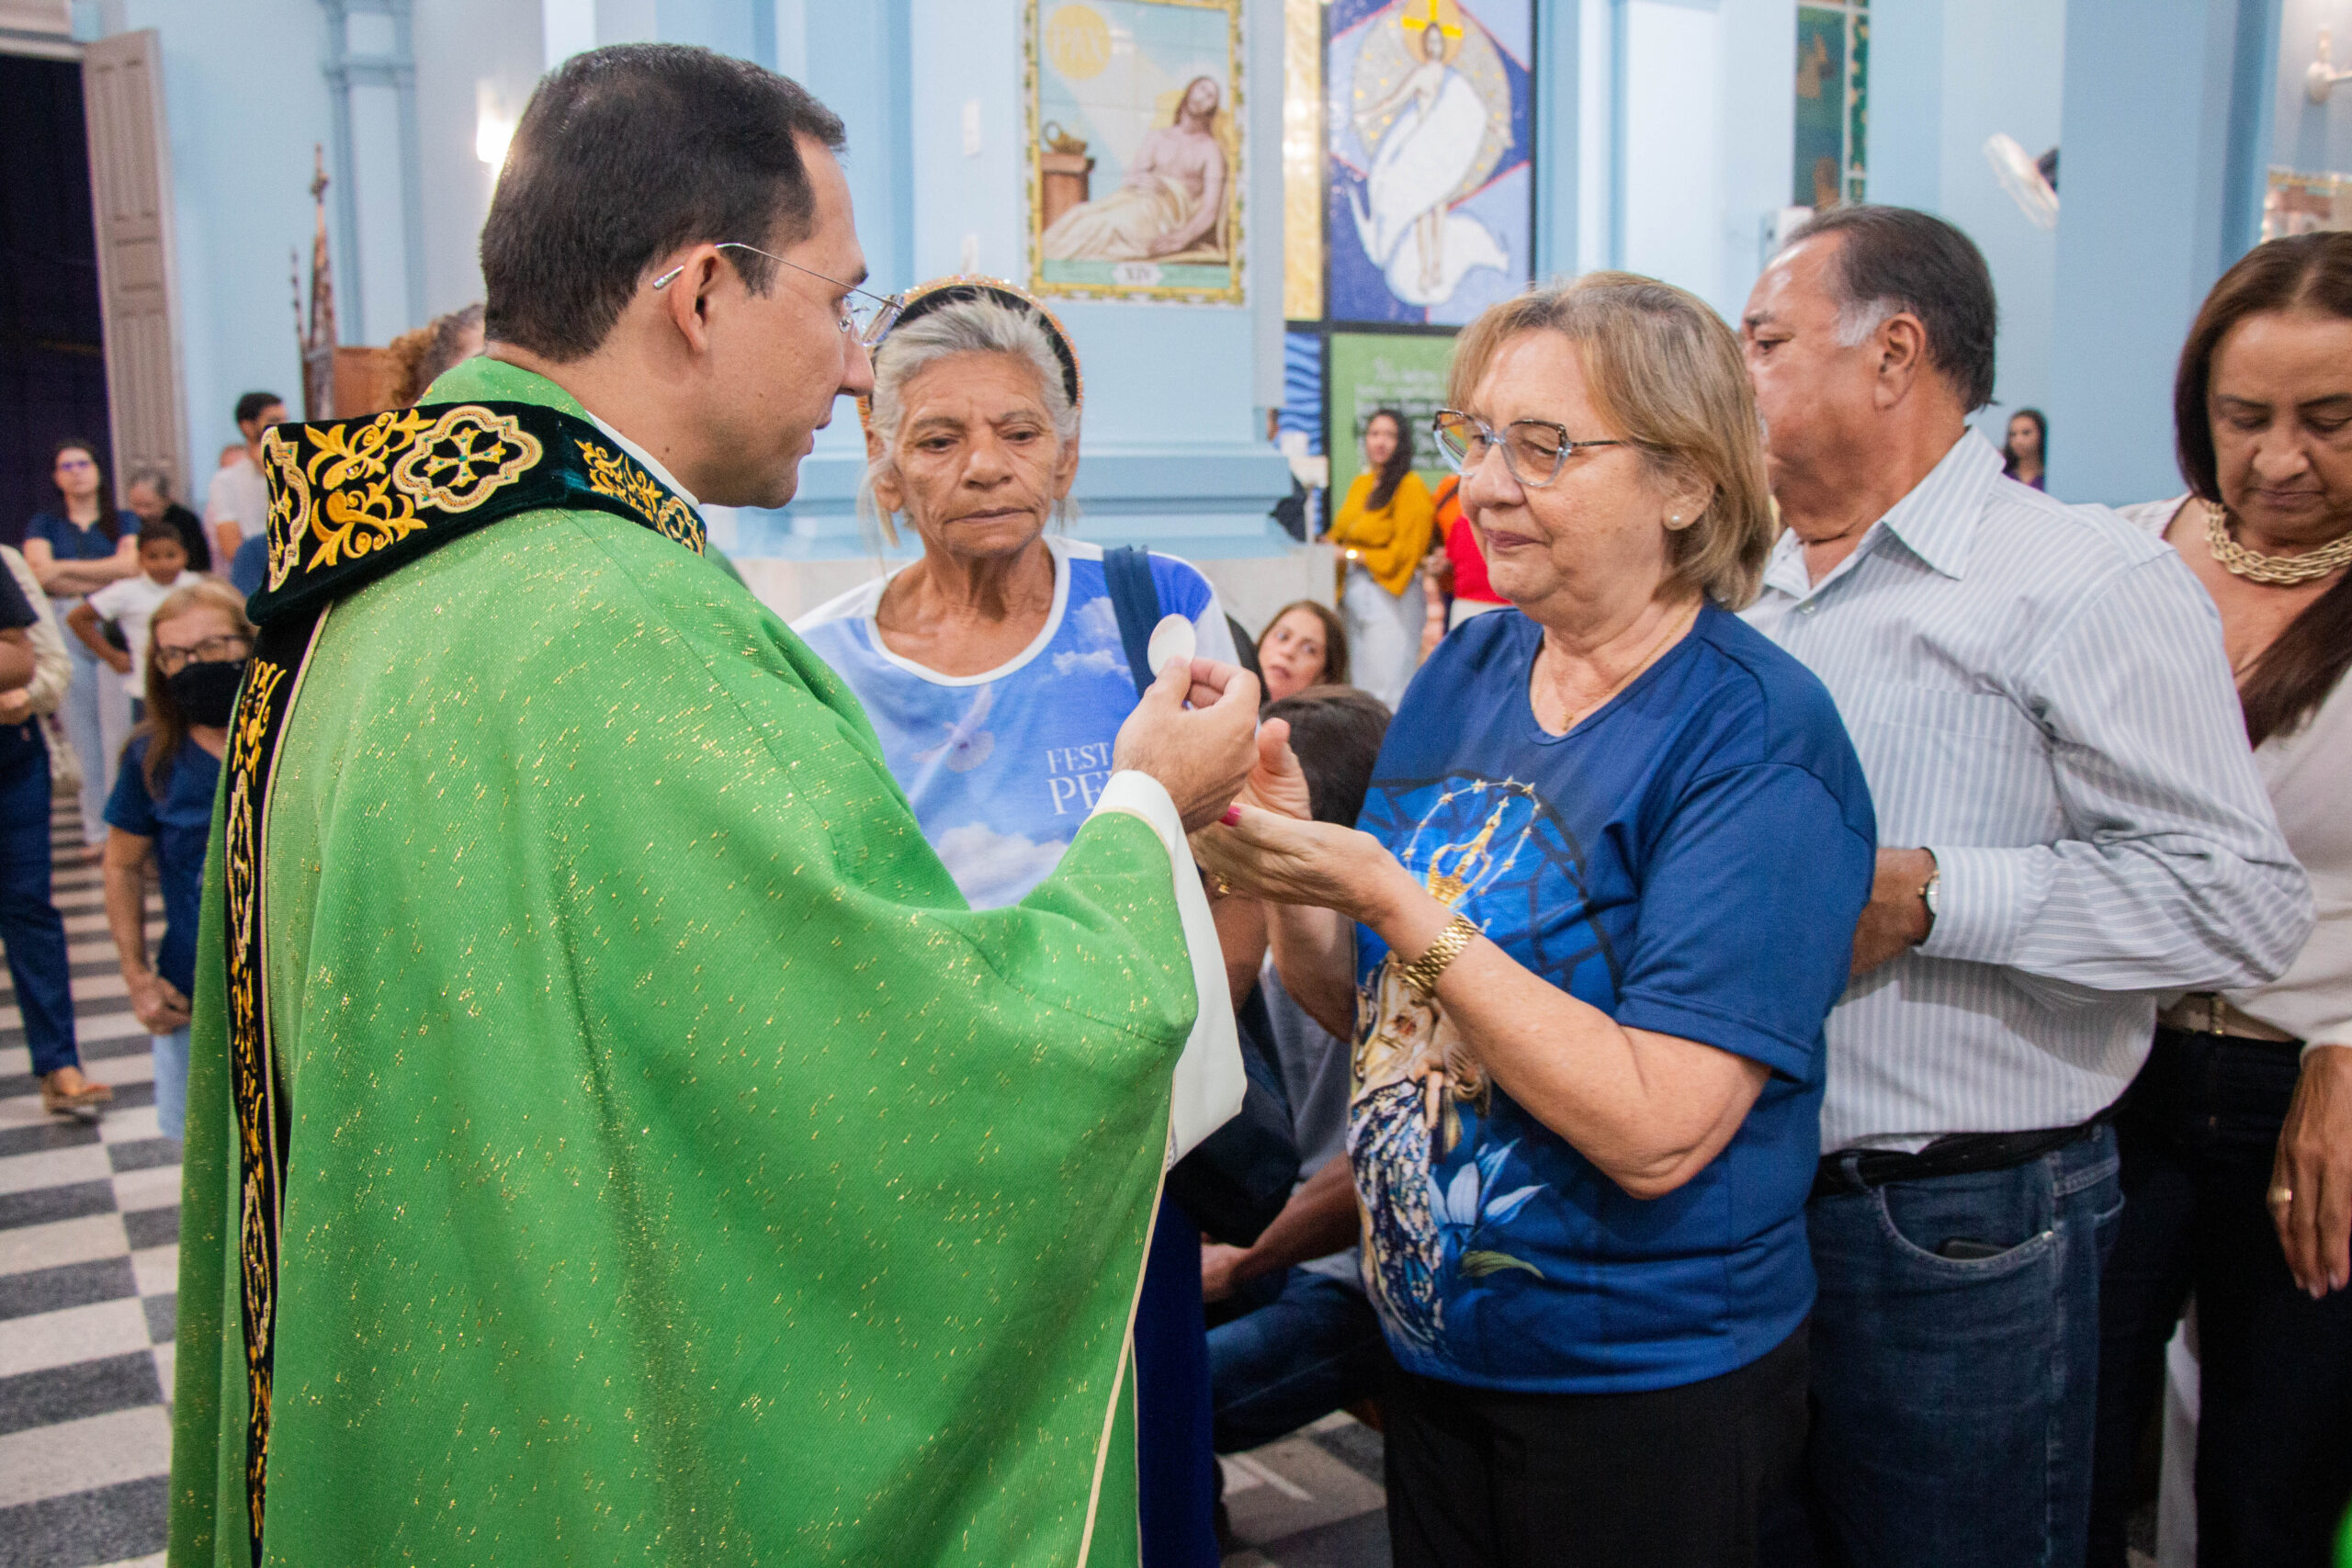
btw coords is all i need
(974, 430)
(671, 239)
(163, 554)
(1336, 733)
(149, 494)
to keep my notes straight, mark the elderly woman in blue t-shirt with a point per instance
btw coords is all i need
(1601, 896)
(996, 674)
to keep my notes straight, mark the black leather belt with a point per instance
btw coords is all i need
(1954, 1154)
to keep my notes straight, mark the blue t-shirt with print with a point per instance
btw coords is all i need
(1002, 767)
(1690, 860)
(181, 826)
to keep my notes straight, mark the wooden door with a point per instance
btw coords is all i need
(130, 191)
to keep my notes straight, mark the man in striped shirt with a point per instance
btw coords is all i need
(2041, 701)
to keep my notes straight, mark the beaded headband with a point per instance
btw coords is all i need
(925, 297)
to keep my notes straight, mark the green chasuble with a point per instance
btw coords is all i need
(673, 1169)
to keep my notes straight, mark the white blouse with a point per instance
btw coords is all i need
(2306, 770)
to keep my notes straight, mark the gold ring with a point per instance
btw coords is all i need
(2282, 1196)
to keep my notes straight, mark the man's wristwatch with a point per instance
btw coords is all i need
(1928, 895)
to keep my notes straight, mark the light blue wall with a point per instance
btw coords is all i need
(240, 169)
(1702, 121)
(2166, 122)
(1945, 75)
(1664, 142)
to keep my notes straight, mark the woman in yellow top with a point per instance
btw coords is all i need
(1384, 525)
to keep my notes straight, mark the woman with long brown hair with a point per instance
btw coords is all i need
(198, 641)
(1383, 530)
(2236, 1137)
(76, 549)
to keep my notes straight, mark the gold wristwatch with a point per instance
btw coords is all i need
(1422, 973)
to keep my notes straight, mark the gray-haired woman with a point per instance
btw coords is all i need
(994, 673)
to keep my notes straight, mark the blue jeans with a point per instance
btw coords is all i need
(1954, 1399)
(1313, 1349)
(97, 721)
(30, 927)
(171, 1082)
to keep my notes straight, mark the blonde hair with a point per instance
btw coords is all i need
(165, 727)
(1667, 374)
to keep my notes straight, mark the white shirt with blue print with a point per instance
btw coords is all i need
(1003, 766)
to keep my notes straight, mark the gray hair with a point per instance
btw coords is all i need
(1857, 319)
(967, 326)
(148, 474)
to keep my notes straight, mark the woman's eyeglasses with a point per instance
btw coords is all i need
(868, 323)
(211, 650)
(1533, 449)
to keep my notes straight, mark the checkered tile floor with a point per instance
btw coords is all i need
(1313, 1500)
(89, 1269)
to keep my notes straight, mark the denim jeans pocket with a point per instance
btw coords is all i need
(2012, 1211)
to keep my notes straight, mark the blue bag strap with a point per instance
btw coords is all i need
(1135, 597)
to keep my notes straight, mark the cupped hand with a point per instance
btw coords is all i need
(1277, 783)
(2314, 1165)
(1201, 754)
(1285, 861)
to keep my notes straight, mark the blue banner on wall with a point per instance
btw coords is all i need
(1430, 204)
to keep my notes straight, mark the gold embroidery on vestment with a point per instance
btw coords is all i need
(612, 474)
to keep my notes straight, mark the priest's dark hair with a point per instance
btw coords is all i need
(623, 155)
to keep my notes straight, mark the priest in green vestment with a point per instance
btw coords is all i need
(612, 1139)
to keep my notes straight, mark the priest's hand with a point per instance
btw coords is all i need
(1201, 754)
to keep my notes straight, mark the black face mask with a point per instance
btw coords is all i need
(205, 693)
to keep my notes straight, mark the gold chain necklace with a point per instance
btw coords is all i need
(2280, 571)
(1674, 627)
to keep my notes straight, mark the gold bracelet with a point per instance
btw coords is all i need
(1422, 973)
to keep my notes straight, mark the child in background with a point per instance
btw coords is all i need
(130, 601)
(196, 649)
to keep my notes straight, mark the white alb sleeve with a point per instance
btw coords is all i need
(1209, 1079)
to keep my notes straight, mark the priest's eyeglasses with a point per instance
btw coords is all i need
(1533, 449)
(867, 322)
(211, 650)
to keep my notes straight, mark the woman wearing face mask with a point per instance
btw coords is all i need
(1383, 527)
(198, 642)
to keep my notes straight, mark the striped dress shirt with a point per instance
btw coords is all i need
(2039, 696)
